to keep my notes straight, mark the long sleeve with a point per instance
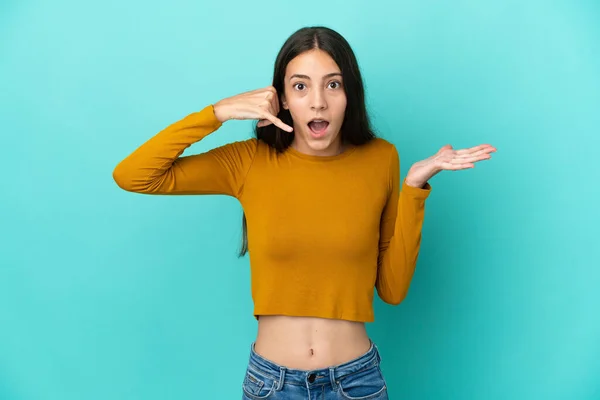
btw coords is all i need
(400, 238)
(157, 167)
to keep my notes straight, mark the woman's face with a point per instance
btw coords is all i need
(314, 91)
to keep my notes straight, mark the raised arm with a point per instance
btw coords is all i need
(400, 238)
(157, 166)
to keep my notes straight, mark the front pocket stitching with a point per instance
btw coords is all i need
(369, 365)
(255, 379)
(250, 367)
(344, 394)
(255, 397)
(370, 396)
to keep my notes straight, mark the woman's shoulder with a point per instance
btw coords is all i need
(379, 147)
(382, 144)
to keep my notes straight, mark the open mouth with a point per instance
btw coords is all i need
(318, 127)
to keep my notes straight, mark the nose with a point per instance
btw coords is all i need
(318, 101)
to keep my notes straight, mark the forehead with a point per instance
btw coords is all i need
(312, 63)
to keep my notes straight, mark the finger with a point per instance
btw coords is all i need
(277, 122)
(269, 88)
(477, 153)
(469, 159)
(275, 105)
(263, 122)
(270, 106)
(254, 92)
(270, 102)
(482, 147)
(454, 167)
(262, 92)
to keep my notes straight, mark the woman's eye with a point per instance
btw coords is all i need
(336, 83)
(299, 84)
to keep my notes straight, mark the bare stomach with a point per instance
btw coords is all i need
(310, 343)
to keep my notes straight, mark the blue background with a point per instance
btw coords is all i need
(106, 294)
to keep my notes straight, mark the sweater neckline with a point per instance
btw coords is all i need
(317, 158)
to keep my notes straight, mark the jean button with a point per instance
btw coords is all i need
(311, 378)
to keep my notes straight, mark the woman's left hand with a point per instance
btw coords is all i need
(447, 159)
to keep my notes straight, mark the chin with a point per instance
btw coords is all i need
(320, 144)
(314, 144)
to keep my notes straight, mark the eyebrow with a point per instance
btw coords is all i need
(308, 78)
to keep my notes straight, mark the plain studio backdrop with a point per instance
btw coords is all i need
(106, 294)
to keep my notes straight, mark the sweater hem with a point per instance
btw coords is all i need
(366, 318)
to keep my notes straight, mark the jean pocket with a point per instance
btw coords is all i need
(257, 386)
(368, 384)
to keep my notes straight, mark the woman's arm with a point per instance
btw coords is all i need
(402, 218)
(156, 167)
(400, 239)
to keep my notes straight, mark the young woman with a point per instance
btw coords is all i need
(326, 219)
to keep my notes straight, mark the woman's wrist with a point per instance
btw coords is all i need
(220, 113)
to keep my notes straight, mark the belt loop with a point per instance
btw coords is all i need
(377, 354)
(332, 378)
(281, 378)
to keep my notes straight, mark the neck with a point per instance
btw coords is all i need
(333, 149)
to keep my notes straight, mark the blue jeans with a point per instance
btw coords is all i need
(358, 379)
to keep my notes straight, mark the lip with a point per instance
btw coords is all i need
(315, 135)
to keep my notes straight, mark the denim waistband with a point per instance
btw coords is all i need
(316, 376)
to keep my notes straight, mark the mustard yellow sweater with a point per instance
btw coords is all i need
(323, 231)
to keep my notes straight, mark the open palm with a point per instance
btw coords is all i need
(448, 159)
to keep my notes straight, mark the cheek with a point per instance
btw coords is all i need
(295, 103)
(296, 109)
(294, 112)
(340, 109)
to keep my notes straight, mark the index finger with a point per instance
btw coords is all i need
(276, 121)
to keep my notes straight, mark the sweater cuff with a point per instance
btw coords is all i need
(417, 193)
(210, 109)
(205, 117)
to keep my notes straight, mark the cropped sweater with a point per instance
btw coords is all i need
(323, 231)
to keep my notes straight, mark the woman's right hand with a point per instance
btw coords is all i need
(261, 104)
